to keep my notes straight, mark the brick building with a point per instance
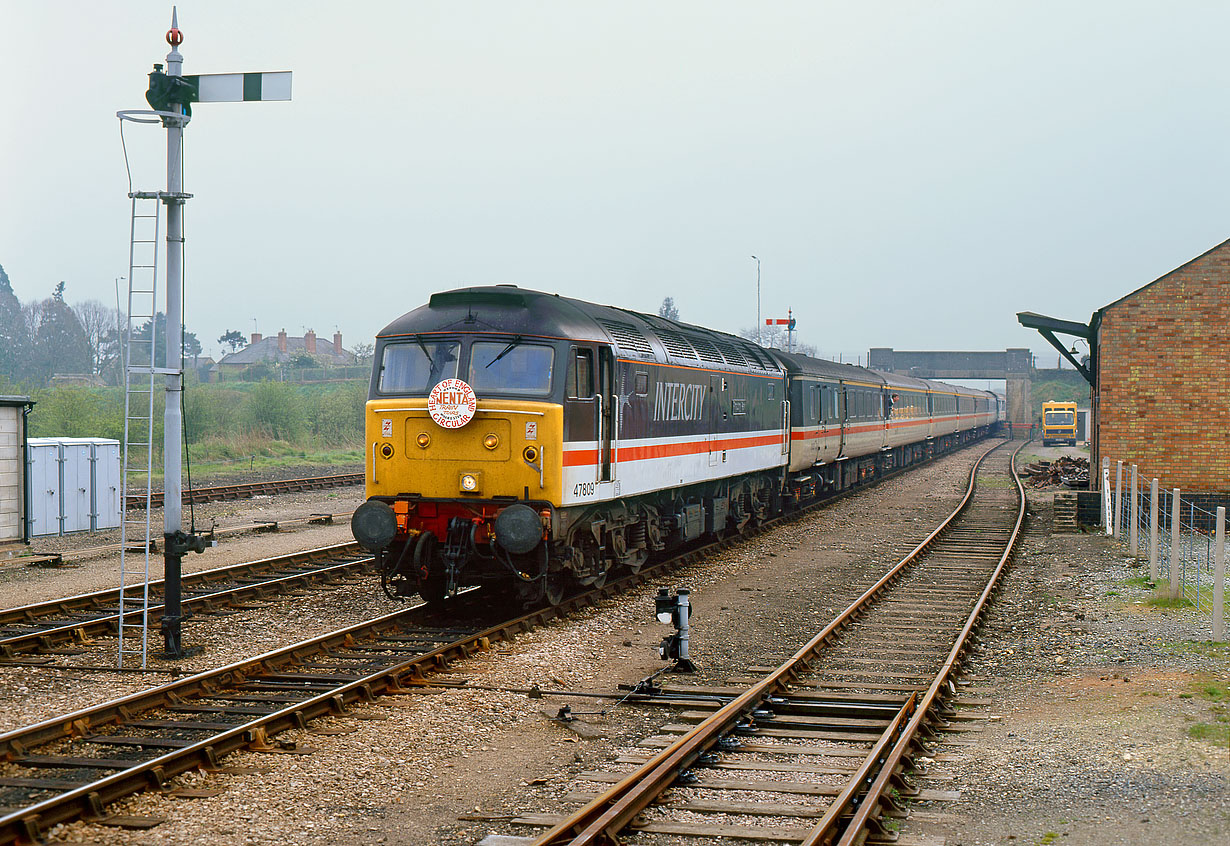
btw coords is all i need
(284, 350)
(1162, 376)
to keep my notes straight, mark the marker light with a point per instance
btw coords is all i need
(531, 454)
(423, 440)
(386, 450)
(491, 441)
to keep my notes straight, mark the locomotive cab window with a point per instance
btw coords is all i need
(581, 374)
(510, 367)
(415, 367)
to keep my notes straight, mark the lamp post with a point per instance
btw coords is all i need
(757, 299)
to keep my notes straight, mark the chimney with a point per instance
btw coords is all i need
(309, 342)
(282, 341)
(337, 343)
(256, 336)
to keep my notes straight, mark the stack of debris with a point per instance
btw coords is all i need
(1072, 472)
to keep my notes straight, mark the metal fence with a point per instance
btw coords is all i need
(1184, 540)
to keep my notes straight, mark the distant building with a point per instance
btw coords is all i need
(285, 351)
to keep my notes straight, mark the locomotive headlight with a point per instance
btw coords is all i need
(491, 441)
(469, 483)
(423, 440)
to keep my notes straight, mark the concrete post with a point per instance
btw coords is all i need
(1153, 531)
(1174, 545)
(1219, 577)
(1118, 498)
(1104, 485)
(1134, 518)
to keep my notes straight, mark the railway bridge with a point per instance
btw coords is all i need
(1014, 366)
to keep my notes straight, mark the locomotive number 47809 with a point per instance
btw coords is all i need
(585, 489)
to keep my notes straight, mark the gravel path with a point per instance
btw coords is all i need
(450, 766)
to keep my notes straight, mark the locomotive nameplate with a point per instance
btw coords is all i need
(452, 404)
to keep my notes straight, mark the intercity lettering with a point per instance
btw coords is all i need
(679, 401)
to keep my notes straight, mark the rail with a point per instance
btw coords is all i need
(247, 490)
(602, 819)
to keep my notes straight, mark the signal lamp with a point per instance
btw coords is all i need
(675, 610)
(423, 440)
(491, 441)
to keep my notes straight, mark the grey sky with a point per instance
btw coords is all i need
(911, 174)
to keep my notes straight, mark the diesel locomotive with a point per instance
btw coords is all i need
(535, 441)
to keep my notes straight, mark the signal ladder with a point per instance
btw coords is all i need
(140, 357)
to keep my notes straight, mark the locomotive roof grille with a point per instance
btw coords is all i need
(732, 355)
(676, 344)
(627, 337)
(756, 357)
(705, 348)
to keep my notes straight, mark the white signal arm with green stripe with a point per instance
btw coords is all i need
(241, 87)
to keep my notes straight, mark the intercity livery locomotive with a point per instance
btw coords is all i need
(535, 441)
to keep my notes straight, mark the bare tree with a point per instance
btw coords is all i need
(101, 325)
(363, 352)
(775, 336)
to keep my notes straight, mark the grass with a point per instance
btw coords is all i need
(1138, 582)
(243, 455)
(1207, 648)
(1210, 733)
(273, 455)
(1163, 600)
(1217, 693)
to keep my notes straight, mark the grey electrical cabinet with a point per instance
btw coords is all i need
(74, 485)
(43, 463)
(108, 510)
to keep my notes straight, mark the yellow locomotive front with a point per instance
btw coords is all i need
(464, 446)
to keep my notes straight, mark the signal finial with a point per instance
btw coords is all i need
(174, 36)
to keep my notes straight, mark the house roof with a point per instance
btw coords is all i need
(266, 350)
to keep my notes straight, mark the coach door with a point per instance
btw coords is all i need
(608, 415)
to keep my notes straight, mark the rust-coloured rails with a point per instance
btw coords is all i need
(71, 766)
(251, 489)
(61, 623)
(831, 732)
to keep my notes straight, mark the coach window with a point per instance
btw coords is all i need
(581, 375)
(641, 383)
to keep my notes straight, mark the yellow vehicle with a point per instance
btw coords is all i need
(1058, 423)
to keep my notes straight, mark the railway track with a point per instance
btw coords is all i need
(72, 766)
(819, 750)
(250, 489)
(61, 625)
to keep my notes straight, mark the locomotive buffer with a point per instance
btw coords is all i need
(171, 95)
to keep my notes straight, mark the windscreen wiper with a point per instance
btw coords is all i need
(431, 361)
(515, 342)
